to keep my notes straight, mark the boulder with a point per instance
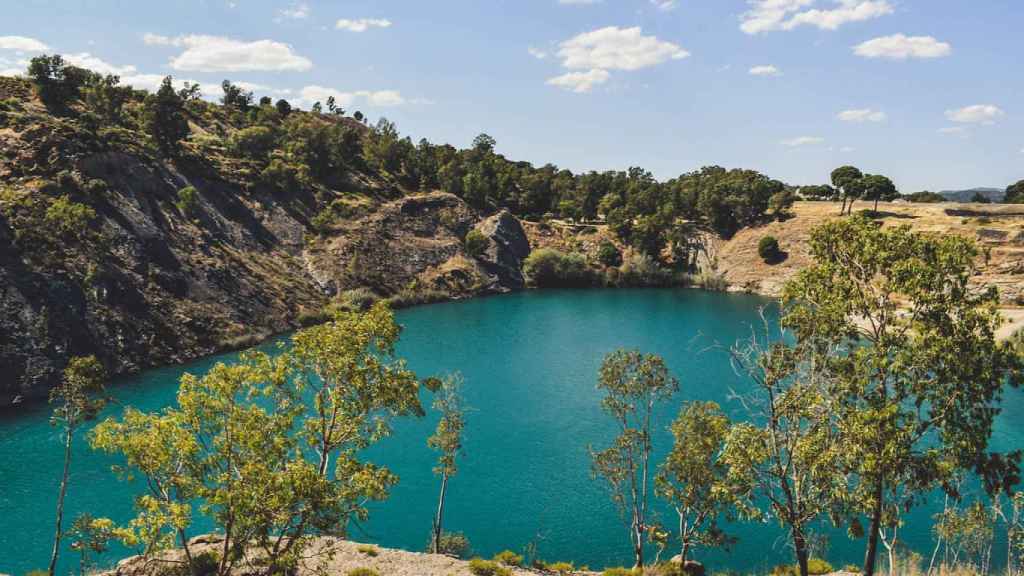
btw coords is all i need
(508, 249)
(690, 567)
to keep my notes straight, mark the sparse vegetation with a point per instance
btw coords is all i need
(768, 249)
(509, 558)
(481, 567)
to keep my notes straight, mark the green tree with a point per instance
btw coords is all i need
(693, 476)
(90, 536)
(609, 254)
(784, 457)
(476, 243)
(447, 440)
(911, 332)
(633, 384)
(68, 219)
(284, 108)
(877, 188)
(78, 400)
(781, 202)
(768, 249)
(235, 97)
(57, 82)
(847, 179)
(270, 446)
(1015, 193)
(105, 97)
(163, 115)
(253, 142)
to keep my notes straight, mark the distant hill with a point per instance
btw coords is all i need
(993, 194)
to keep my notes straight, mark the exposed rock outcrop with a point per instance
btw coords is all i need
(508, 248)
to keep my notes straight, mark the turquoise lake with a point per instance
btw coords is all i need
(530, 362)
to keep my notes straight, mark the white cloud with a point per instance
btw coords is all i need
(902, 47)
(614, 48)
(802, 141)
(22, 44)
(362, 24)
(220, 54)
(382, 98)
(297, 11)
(862, 115)
(664, 5)
(537, 53)
(580, 82)
(768, 70)
(976, 114)
(770, 15)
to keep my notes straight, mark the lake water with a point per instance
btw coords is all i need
(530, 362)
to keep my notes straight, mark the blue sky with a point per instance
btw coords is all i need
(929, 92)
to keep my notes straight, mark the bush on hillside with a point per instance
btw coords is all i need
(609, 254)
(453, 544)
(481, 567)
(639, 270)
(508, 558)
(476, 243)
(254, 143)
(68, 218)
(768, 249)
(549, 268)
(362, 572)
(188, 200)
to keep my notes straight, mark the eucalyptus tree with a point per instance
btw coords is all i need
(633, 384)
(919, 375)
(783, 462)
(447, 440)
(693, 476)
(78, 399)
(270, 447)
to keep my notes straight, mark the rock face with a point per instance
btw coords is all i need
(149, 281)
(508, 249)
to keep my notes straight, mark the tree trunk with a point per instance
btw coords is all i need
(60, 502)
(436, 548)
(800, 546)
(638, 540)
(876, 206)
(686, 541)
(871, 554)
(842, 209)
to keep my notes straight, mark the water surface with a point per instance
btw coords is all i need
(530, 362)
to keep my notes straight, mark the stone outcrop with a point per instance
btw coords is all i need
(508, 248)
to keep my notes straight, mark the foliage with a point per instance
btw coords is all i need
(819, 192)
(481, 567)
(57, 82)
(980, 198)
(362, 572)
(452, 544)
(105, 97)
(768, 249)
(254, 142)
(163, 115)
(640, 270)
(447, 441)
(235, 97)
(633, 384)
(609, 254)
(781, 202)
(693, 476)
(925, 197)
(847, 179)
(815, 567)
(550, 268)
(368, 549)
(875, 187)
(188, 200)
(509, 558)
(476, 243)
(939, 351)
(78, 398)
(270, 446)
(619, 571)
(559, 567)
(90, 536)
(67, 218)
(285, 176)
(1015, 193)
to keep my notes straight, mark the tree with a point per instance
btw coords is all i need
(911, 332)
(447, 440)
(781, 202)
(190, 92)
(1015, 193)
(235, 97)
(847, 179)
(57, 82)
(476, 243)
(163, 116)
(768, 249)
(692, 477)
(270, 447)
(875, 187)
(77, 401)
(633, 384)
(106, 97)
(283, 107)
(786, 455)
(980, 198)
(609, 254)
(90, 536)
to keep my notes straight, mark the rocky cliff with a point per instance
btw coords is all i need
(102, 253)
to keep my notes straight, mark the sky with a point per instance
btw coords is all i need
(927, 92)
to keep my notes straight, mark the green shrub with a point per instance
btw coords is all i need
(640, 270)
(710, 280)
(285, 176)
(356, 300)
(476, 243)
(453, 544)
(618, 571)
(481, 567)
(362, 572)
(768, 249)
(409, 297)
(68, 218)
(559, 567)
(37, 573)
(509, 558)
(206, 563)
(368, 549)
(188, 200)
(609, 254)
(549, 268)
(254, 142)
(815, 567)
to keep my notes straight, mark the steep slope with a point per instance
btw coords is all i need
(101, 251)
